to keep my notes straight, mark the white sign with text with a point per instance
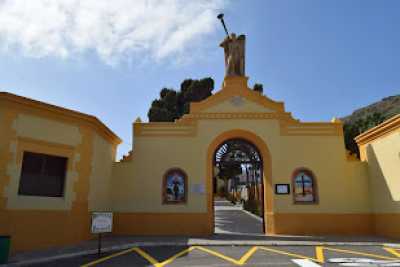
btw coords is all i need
(102, 222)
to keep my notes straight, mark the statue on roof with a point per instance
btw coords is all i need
(234, 48)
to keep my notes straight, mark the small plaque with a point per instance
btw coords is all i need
(102, 222)
(282, 189)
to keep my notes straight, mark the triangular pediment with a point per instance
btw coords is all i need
(236, 97)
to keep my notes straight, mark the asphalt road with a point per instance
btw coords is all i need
(235, 256)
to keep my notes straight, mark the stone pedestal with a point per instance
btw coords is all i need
(235, 83)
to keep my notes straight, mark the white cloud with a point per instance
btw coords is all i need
(114, 29)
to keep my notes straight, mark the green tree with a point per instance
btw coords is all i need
(172, 105)
(352, 129)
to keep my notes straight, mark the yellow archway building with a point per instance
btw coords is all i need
(350, 196)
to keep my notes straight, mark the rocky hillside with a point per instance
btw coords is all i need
(367, 117)
(387, 107)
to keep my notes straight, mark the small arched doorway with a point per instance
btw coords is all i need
(238, 187)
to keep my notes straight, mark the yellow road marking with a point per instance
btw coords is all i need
(109, 257)
(167, 261)
(360, 253)
(239, 262)
(247, 255)
(319, 255)
(393, 251)
(146, 256)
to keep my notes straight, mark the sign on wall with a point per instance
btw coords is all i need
(282, 189)
(102, 222)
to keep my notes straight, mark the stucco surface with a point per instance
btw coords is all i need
(40, 135)
(342, 185)
(29, 125)
(383, 156)
(40, 128)
(137, 185)
(100, 178)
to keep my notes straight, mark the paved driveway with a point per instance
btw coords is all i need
(233, 220)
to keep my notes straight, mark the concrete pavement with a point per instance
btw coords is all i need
(233, 220)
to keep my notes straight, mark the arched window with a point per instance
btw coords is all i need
(174, 187)
(304, 187)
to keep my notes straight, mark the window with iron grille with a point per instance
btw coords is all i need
(42, 175)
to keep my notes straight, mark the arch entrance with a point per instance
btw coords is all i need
(239, 178)
(237, 186)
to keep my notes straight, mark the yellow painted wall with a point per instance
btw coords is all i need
(137, 185)
(40, 135)
(100, 178)
(42, 222)
(383, 157)
(343, 188)
(384, 166)
(324, 155)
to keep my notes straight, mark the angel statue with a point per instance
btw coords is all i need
(234, 48)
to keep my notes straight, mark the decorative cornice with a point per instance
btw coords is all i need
(239, 115)
(379, 131)
(311, 128)
(61, 112)
(165, 129)
(187, 125)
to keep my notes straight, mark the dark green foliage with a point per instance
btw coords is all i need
(258, 87)
(229, 170)
(164, 109)
(352, 129)
(172, 104)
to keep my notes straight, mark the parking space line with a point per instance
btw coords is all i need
(108, 257)
(146, 256)
(393, 251)
(360, 253)
(241, 261)
(171, 259)
(319, 255)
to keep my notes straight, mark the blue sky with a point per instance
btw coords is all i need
(322, 58)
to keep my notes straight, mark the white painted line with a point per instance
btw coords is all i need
(306, 263)
(364, 262)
